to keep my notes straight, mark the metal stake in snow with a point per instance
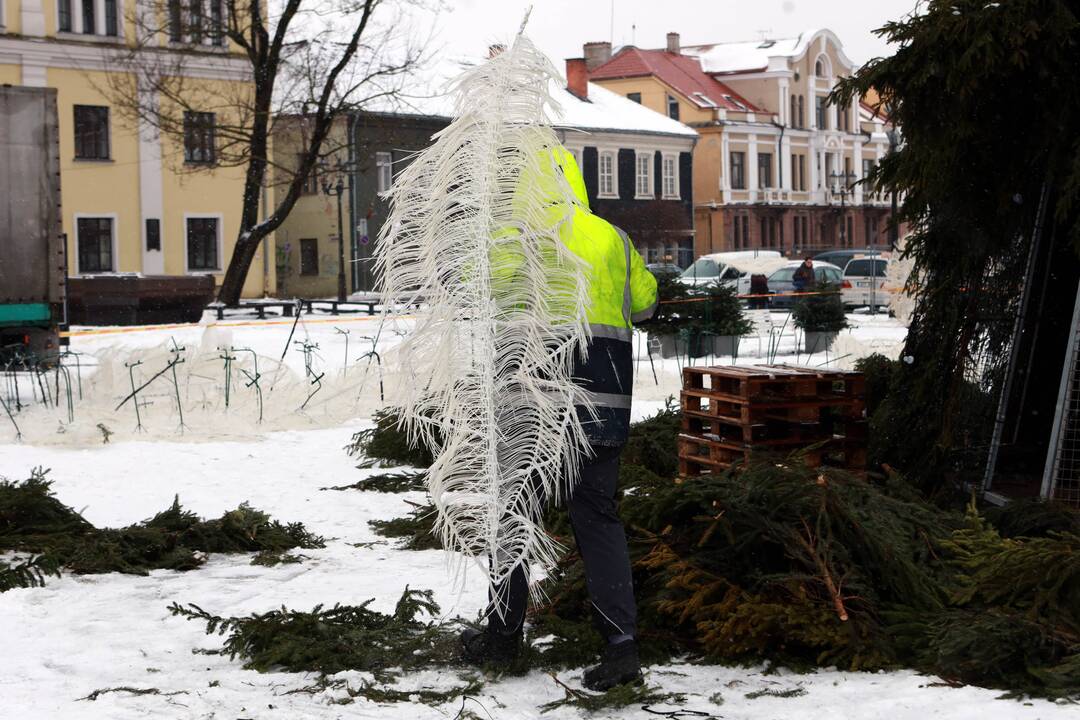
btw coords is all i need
(134, 393)
(177, 359)
(345, 366)
(228, 371)
(253, 377)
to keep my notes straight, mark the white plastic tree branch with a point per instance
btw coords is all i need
(473, 232)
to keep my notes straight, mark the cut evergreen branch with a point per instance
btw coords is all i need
(33, 520)
(397, 482)
(387, 442)
(344, 637)
(416, 530)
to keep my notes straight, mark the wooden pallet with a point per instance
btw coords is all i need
(729, 412)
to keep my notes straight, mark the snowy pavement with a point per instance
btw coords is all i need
(81, 634)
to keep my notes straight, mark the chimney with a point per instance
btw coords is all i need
(577, 77)
(596, 54)
(673, 43)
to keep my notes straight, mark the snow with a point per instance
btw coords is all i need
(604, 110)
(81, 634)
(749, 54)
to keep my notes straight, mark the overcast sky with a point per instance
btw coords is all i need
(560, 27)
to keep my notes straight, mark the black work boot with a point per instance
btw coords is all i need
(489, 647)
(618, 665)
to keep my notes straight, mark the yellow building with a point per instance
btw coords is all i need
(135, 200)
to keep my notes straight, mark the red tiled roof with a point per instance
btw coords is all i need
(681, 72)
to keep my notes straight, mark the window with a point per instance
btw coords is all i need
(89, 20)
(802, 173)
(309, 256)
(672, 108)
(199, 138)
(819, 109)
(95, 244)
(217, 24)
(738, 170)
(310, 185)
(792, 116)
(384, 177)
(802, 115)
(741, 235)
(702, 268)
(870, 228)
(176, 28)
(63, 16)
(91, 132)
(844, 112)
(112, 21)
(670, 177)
(819, 68)
(202, 244)
(153, 235)
(849, 231)
(636, 97)
(643, 175)
(195, 20)
(764, 170)
(607, 174)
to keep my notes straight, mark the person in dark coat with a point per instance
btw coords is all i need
(803, 279)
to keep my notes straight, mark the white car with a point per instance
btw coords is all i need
(731, 268)
(864, 283)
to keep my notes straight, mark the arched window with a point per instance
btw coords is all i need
(819, 68)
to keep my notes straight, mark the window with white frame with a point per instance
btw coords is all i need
(203, 238)
(670, 177)
(88, 17)
(384, 176)
(607, 174)
(197, 22)
(94, 244)
(643, 175)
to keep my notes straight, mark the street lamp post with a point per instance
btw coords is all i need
(331, 187)
(843, 182)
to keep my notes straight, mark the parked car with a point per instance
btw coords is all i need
(660, 268)
(781, 283)
(864, 283)
(731, 268)
(840, 257)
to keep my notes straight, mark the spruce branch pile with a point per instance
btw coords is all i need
(344, 637)
(34, 521)
(808, 567)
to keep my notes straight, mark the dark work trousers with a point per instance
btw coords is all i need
(602, 542)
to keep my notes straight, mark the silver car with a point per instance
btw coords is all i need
(782, 286)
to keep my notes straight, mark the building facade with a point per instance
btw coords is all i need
(637, 167)
(135, 200)
(777, 166)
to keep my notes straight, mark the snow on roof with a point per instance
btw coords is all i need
(753, 55)
(603, 111)
(606, 110)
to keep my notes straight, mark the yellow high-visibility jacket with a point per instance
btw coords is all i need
(621, 292)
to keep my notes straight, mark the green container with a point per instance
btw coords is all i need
(25, 314)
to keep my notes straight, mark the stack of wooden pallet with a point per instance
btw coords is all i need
(729, 412)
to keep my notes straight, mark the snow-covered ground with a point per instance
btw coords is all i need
(81, 634)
